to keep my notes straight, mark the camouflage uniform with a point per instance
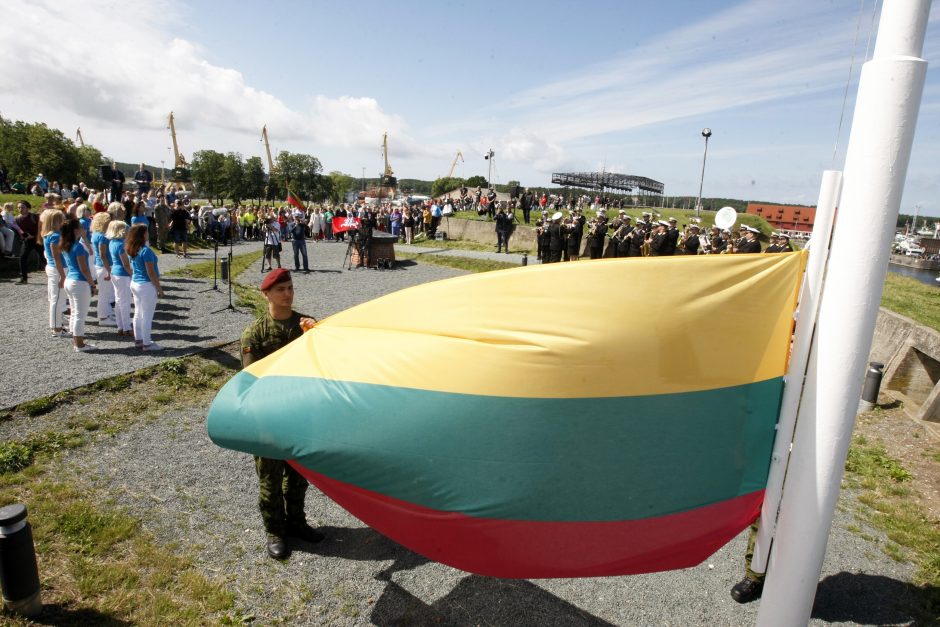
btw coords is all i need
(749, 553)
(282, 489)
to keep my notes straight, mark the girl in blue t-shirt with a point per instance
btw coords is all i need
(79, 284)
(145, 285)
(50, 221)
(138, 216)
(99, 248)
(120, 276)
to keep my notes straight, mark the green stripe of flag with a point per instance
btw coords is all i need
(600, 459)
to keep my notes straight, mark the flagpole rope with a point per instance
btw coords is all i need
(848, 80)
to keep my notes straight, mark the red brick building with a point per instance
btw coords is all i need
(787, 218)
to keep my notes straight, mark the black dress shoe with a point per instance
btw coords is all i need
(747, 590)
(305, 532)
(277, 547)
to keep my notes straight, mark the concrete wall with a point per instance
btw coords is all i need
(915, 262)
(911, 354)
(484, 232)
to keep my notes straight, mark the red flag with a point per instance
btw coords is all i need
(349, 223)
(294, 201)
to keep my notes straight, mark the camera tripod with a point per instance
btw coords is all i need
(354, 240)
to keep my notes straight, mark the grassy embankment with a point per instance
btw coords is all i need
(883, 487)
(97, 565)
(911, 298)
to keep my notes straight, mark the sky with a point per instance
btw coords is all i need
(549, 86)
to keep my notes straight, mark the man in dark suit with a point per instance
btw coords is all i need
(749, 243)
(117, 183)
(672, 239)
(504, 226)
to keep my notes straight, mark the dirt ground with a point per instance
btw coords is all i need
(914, 443)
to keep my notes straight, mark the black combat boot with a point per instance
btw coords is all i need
(277, 547)
(747, 590)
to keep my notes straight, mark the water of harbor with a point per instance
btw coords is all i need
(924, 276)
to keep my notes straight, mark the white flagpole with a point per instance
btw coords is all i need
(876, 163)
(829, 192)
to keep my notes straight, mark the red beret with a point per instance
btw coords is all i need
(274, 277)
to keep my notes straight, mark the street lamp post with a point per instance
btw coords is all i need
(489, 173)
(706, 133)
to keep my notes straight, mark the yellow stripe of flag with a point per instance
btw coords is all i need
(619, 327)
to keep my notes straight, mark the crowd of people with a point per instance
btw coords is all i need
(560, 237)
(92, 255)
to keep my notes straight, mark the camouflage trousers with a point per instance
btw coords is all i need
(749, 554)
(281, 495)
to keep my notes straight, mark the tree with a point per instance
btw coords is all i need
(89, 158)
(341, 183)
(51, 153)
(233, 177)
(255, 178)
(301, 172)
(28, 149)
(476, 181)
(445, 184)
(208, 168)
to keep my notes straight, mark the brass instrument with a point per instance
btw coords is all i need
(595, 226)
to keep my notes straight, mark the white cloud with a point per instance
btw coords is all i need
(521, 145)
(122, 72)
(758, 51)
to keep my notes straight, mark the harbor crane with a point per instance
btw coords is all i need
(267, 148)
(453, 165)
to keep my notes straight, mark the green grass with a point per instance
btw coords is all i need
(34, 201)
(205, 269)
(42, 405)
(97, 564)
(873, 462)
(462, 244)
(15, 456)
(460, 263)
(912, 536)
(99, 567)
(913, 299)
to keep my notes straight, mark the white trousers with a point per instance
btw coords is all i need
(122, 301)
(145, 303)
(56, 297)
(8, 236)
(105, 294)
(79, 300)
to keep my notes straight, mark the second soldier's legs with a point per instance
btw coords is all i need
(752, 585)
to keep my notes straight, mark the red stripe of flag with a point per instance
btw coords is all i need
(517, 548)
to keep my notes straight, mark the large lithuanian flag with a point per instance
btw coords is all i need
(579, 419)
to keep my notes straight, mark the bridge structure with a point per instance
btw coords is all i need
(603, 181)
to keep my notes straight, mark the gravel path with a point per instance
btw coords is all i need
(329, 287)
(187, 319)
(188, 490)
(202, 498)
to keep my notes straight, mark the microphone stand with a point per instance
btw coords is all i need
(215, 271)
(230, 306)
